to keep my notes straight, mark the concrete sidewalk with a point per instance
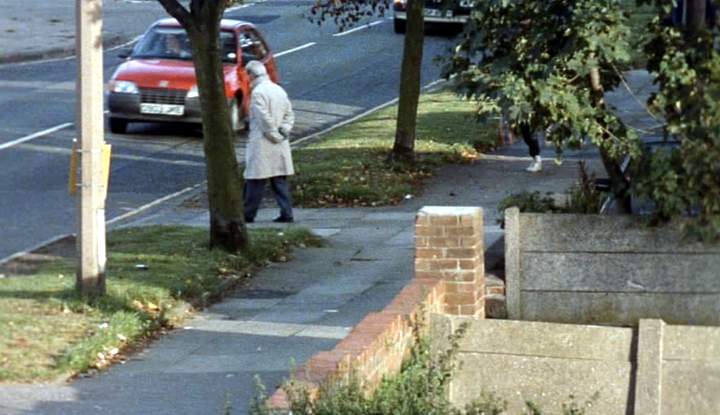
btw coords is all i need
(288, 311)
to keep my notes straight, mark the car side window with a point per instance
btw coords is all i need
(229, 47)
(253, 48)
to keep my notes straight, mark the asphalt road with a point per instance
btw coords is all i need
(329, 76)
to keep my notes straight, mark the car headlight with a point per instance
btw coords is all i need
(193, 92)
(124, 87)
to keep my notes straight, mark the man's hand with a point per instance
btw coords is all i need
(283, 132)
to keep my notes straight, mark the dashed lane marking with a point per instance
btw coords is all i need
(286, 52)
(363, 27)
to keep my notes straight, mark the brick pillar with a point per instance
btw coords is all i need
(449, 246)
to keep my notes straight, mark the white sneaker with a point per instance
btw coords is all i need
(535, 166)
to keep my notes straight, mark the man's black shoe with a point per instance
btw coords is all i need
(281, 219)
(249, 220)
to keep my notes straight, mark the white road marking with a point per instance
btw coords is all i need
(359, 28)
(59, 150)
(151, 204)
(36, 135)
(285, 52)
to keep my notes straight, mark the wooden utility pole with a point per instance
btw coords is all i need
(91, 203)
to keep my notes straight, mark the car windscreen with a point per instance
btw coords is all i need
(173, 43)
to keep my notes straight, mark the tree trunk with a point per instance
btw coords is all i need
(404, 147)
(696, 10)
(619, 185)
(227, 220)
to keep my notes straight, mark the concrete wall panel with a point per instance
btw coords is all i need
(568, 341)
(624, 309)
(650, 370)
(621, 272)
(690, 387)
(600, 233)
(547, 382)
(607, 269)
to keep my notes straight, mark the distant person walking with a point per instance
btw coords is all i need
(268, 156)
(533, 147)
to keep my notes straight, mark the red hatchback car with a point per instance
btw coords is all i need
(157, 82)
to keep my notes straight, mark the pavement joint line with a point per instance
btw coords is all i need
(273, 329)
(365, 26)
(286, 52)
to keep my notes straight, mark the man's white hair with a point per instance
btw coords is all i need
(256, 69)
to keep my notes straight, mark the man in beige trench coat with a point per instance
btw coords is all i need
(267, 156)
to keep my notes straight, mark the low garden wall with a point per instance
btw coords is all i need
(449, 279)
(607, 269)
(651, 370)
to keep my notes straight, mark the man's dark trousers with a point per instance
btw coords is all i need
(253, 194)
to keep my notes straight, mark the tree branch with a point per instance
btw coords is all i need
(176, 10)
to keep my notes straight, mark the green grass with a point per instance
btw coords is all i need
(47, 331)
(348, 167)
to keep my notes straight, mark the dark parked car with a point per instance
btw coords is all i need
(446, 12)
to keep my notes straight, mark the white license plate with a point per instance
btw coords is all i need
(162, 109)
(438, 13)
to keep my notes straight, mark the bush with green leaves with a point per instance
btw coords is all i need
(684, 179)
(529, 202)
(547, 64)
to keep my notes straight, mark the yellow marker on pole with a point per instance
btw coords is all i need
(106, 156)
(72, 178)
(73, 174)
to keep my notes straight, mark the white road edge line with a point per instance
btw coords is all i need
(359, 28)
(151, 204)
(285, 52)
(34, 248)
(191, 188)
(35, 135)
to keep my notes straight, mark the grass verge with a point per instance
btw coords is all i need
(348, 168)
(48, 332)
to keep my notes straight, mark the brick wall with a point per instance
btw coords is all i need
(449, 278)
(449, 246)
